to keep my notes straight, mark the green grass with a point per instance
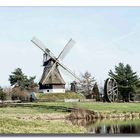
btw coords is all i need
(95, 106)
(15, 126)
(61, 107)
(111, 107)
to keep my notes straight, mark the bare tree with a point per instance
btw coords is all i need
(8, 91)
(86, 84)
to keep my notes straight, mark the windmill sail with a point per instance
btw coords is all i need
(67, 48)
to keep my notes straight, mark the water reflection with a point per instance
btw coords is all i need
(109, 126)
(115, 129)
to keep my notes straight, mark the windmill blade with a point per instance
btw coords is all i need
(68, 70)
(49, 73)
(40, 45)
(66, 49)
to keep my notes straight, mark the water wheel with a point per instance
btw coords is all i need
(110, 90)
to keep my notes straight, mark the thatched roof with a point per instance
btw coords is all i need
(54, 78)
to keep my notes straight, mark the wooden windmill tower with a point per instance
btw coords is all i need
(51, 80)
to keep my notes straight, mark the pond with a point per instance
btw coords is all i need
(106, 126)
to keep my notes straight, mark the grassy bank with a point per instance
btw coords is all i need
(15, 126)
(59, 96)
(30, 118)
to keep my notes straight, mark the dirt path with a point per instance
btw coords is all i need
(51, 116)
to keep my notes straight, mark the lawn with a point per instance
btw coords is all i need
(30, 118)
(61, 107)
(11, 125)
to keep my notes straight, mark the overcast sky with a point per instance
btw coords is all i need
(104, 37)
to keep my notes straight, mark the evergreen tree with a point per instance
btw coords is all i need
(95, 92)
(127, 81)
(19, 78)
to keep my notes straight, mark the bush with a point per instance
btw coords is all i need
(2, 95)
(19, 94)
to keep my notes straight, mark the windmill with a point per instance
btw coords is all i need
(51, 80)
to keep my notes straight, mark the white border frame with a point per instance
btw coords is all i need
(70, 3)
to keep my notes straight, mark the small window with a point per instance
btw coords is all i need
(55, 76)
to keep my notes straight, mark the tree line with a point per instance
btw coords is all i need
(128, 84)
(127, 80)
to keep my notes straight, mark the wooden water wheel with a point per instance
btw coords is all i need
(110, 90)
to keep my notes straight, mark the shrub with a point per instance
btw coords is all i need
(19, 94)
(2, 95)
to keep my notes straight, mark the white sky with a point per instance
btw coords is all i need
(104, 37)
